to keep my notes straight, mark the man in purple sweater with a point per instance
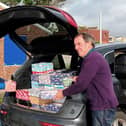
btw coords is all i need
(96, 80)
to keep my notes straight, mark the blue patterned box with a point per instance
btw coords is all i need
(58, 78)
(54, 107)
(39, 80)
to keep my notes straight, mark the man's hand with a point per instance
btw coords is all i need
(74, 78)
(59, 95)
(10, 86)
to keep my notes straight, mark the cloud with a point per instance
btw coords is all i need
(86, 13)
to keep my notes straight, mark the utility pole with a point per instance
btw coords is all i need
(100, 26)
(21, 3)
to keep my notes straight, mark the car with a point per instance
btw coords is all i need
(50, 33)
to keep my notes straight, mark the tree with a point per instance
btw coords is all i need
(32, 2)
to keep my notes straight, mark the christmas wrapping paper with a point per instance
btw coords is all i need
(44, 79)
(39, 96)
(39, 101)
(22, 94)
(61, 80)
(53, 107)
(42, 67)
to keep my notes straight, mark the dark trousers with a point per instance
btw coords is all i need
(100, 117)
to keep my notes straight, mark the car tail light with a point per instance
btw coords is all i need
(3, 112)
(48, 124)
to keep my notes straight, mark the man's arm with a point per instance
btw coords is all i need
(88, 71)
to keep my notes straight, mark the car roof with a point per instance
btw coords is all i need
(108, 47)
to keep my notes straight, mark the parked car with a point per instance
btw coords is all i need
(50, 33)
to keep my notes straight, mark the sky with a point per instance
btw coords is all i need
(86, 13)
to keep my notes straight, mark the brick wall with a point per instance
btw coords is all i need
(96, 34)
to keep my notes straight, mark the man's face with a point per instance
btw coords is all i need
(81, 46)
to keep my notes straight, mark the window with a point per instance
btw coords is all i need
(62, 61)
(37, 30)
(109, 56)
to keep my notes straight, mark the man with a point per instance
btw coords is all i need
(95, 79)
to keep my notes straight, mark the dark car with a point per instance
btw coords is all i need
(50, 33)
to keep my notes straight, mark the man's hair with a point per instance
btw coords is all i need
(87, 37)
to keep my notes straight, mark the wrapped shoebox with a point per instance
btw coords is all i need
(53, 107)
(44, 79)
(42, 67)
(39, 101)
(40, 97)
(23, 94)
(40, 77)
(40, 80)
(61, 80)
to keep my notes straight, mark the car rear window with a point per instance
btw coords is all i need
(37, 30)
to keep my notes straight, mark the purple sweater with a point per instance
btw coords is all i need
(95, 78)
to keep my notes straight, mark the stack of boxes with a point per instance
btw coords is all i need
(40, 75)
(45, 81)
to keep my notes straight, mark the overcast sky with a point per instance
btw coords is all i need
(86, 13)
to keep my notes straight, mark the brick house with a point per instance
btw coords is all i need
(96, 33)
